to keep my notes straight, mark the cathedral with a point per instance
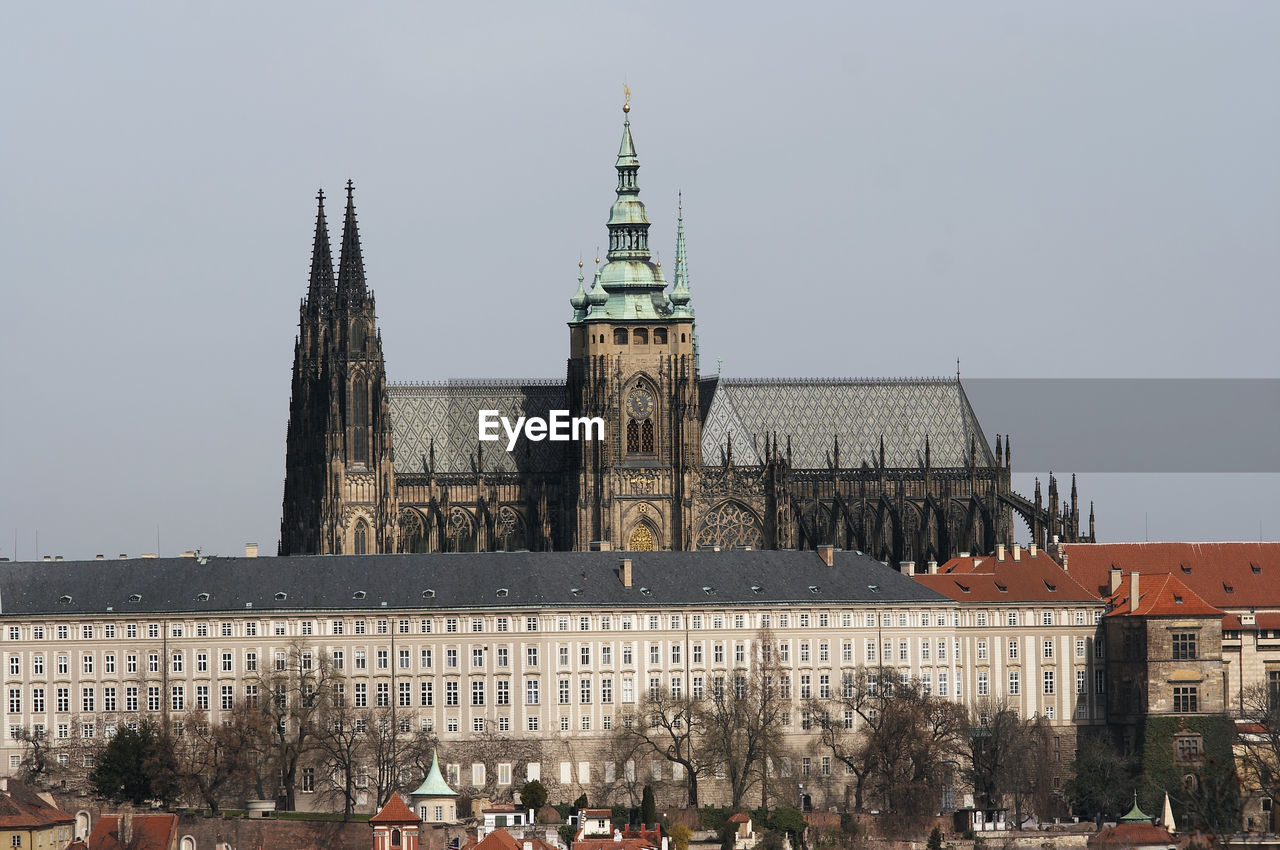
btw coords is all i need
(896, 468)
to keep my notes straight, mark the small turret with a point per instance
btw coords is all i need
(579, 300)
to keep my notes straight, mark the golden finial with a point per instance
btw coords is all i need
(626, 103)
(597, 255)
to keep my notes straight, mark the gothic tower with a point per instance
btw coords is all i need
(339, 481)
(632, 362)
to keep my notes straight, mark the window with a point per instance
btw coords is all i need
(584, 691)
(1048, 649)
(1048, 682)
(37, 664)
(1013, 648)
(308, 780)
(1015, 683)
(531, 692)
(503, 692)
(1186, 699)
(1046, 618)
(563, 691)
(426, 694)
(1187, 747)
(531, 656)
(1079, 647)
(982, 650)
(1184, 646)
(250, 661)
(477, 692)
(984, 685)
(226, 662)
(1012, 619)
(450, 658)
(1081, 686)
(202, 662)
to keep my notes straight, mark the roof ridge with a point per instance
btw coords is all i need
(924, 379)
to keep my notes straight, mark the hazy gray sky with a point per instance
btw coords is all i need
(1060, 190)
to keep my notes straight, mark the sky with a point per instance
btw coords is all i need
(1050, 190)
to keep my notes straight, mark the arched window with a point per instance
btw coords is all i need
(358, 341)
(633, 436)
(659, 336)
(646, 437)
(640, 336)
(641, 539)
(395, 838)
(360, 539)
(360, 421)
(619, 336)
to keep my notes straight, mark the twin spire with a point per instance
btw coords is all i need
(351, 288)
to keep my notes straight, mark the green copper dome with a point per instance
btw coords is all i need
(1136, 815)
(434, 785)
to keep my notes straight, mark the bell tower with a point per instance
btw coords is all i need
(632, 362)
(339, 476)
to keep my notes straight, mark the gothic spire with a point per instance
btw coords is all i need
(352, 289)
(320, 290)
(628, 223)
(680, 292)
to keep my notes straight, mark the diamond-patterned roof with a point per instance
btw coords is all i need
(813, 412)
(448, 414)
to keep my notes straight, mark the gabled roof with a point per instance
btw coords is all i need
(22, 808)
(1127, 835)
(1031, 578)
(395, 811)
(500, 839)
(860, 412)
(449, 582)
(1159, 596)
(1226, 575)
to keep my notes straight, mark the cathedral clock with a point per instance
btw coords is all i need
(640, 403)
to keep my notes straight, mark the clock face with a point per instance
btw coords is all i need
(640, 403)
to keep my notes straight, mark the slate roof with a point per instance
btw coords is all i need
(814, 412)
(986, 579)
(811, 411)
(1226, 575)
(441, 581)
(448, 413)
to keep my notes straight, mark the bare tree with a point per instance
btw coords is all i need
(848, 721)
(670, 727)
(341, 742)
(1257, 742)
(741, 720)
(293, 691)
(210, 760)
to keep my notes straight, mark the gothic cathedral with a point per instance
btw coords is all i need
(897, 468)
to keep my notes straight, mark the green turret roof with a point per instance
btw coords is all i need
(434, 785)
(1136, 815)
(630, 285)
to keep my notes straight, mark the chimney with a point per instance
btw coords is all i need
(1017, 552)
(933, 568)
(1133, 592)
(827, 553)
(251, 550)
(599, 546)
(57, 557)
(625, 572)
(1115, 578)
(999, 551)
(1032, 550)
(1066, 564)
(125, 829)
(907, 568)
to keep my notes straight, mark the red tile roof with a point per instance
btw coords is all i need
(395, 811)
(500, 839)
(147, 832)
(1132, 835)
(738, 817)
(987, 579)
(1160, 595)
(1226, 575)
(1266, 620)
(23, 808)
